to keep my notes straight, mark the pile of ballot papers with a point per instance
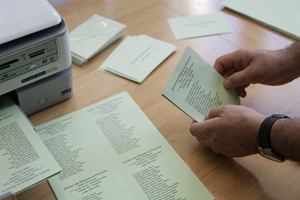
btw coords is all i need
(93, 36)
(136, 57)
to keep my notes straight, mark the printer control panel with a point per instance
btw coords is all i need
(27, 60)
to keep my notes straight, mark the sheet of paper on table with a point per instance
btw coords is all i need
(111, 150)
(24, 159)
(280, 15)
(200, 25)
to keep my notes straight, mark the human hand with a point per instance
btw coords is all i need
(243, 67)
(229, 130)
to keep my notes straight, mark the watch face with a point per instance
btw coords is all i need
(268, 153)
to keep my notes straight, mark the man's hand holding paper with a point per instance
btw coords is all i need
(196, 88)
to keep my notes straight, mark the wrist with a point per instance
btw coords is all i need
(253, 139)
(266, 138)
(292, 55)
(280, 137)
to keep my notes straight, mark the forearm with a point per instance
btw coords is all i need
(285, 138)
(294, 49)
(292, 54)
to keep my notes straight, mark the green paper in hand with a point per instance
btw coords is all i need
(196, 88)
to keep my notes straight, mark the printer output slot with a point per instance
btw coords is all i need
(37, 53)
(7, 64)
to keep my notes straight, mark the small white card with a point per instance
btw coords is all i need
(136, 57)
(93, 36)
(197, 26)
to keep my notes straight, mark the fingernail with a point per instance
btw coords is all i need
(228, 83)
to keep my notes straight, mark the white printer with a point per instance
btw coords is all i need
(35, 58)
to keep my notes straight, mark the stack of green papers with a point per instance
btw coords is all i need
(93, 36)
(136, 57)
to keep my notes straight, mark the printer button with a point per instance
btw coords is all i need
(43, 101)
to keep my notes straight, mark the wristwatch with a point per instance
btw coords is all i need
(264, 139)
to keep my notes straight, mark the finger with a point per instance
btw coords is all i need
(201, 129)
(238, 79)
(194, 121)
(241, 92)
(194, 128)
(213, 150)
(228, 72)
(202, 140)
(215, 112)
(232, 60)
(223, 63)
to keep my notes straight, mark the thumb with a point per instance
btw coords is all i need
(237, 79)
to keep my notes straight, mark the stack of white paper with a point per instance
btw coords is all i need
(93, 36)
(137, 56)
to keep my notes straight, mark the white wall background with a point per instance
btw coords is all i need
(55, 3)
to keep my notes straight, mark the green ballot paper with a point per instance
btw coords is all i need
(195, 87)
(110, 150)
